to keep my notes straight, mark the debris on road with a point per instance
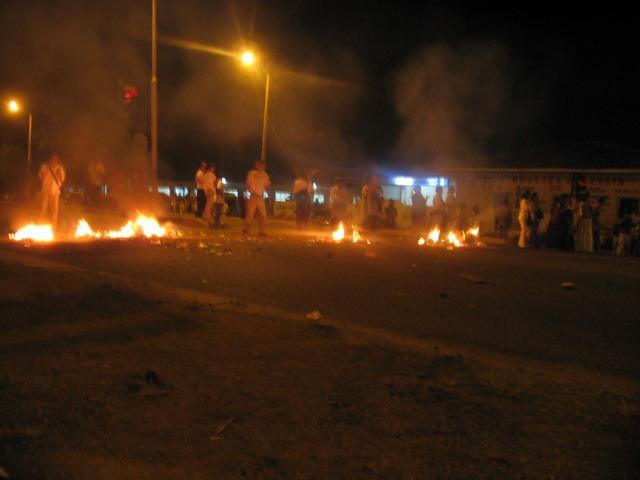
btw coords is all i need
(314, 315)
(473, 279)
(568, 285)
(217, 435)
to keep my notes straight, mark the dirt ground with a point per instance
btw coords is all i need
(102, 379)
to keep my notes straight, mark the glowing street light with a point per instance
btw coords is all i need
(14, 107)
(248, 59)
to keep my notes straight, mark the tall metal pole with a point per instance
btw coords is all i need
(265, 119)
(154, 97)
(29, 156)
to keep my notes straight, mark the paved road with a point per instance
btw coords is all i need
(393, 284)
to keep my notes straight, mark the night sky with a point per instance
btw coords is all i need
(414, 82)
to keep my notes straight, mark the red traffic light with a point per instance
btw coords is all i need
(130, 93)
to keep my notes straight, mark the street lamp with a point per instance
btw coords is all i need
(248, 59)
(14, 107)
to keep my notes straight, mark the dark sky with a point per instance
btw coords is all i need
(416, 80)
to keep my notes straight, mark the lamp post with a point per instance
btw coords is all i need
(14, 107)
(154, 97)
(248, 59)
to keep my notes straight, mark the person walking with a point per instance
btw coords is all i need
(209, 184)
(258, 182)
(52, 176)
(302, 190)
(524, 218)
(201, 197)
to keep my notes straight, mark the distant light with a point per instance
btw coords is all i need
(224, 181)
(403, 181)
(13, 106)
(315, 186)
(248, 58)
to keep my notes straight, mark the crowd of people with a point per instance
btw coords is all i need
(574, 225)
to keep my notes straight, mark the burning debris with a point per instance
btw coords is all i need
(338, 235)
(34, 233)
(142, 226)
(452, 239)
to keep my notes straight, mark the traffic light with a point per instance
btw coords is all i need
(129, 93)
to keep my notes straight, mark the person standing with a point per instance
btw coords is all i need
(209, 184)
(524, 218)
(390, 214)
(302, 195)
(375, 199)
(584, 227)
(201, 197)
(535, 217)
(52, 176)
(623, 229)
(418, 207)
(438, 217)
(503, 220)
(257, 184)
(364, 196)
(595, 221)
(220, 202)
(337, 203)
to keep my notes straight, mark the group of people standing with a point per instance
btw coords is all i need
(209, 194)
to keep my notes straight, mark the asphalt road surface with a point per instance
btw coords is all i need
(497, 300)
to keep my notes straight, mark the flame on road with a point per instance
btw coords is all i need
(356, 236)
(33, 232)
(434, 235)
(83, 230)
(338, 233)
(142, 226)
(453, 238)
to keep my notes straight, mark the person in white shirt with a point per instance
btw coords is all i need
(201, 198)
(209, 182)
(524, 218)
(257, 184)
(52, 176)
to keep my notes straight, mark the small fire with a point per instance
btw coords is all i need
(421, 241)
(454, 239)
(83, 230)
(33, 232)
(434, 235)
(356, 236)
(474, 232)
(127, 231)
(338, 234)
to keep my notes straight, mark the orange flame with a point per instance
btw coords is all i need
(421, 241)
(355, 235)
(83, 230)
(474, 232)
(454, 239)
(434, 235)
(338, 234)
(33, 232)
